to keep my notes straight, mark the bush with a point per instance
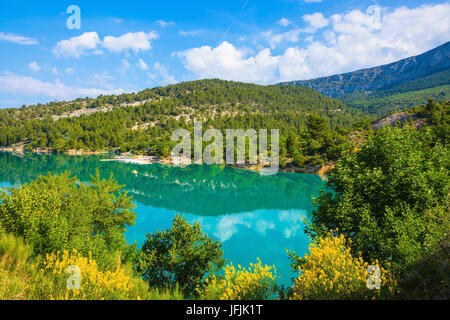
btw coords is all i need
(390, 198)
(55, 212)
(182, 255)
(16, 268)
(94, 284)
(330, 271)
(255, 283)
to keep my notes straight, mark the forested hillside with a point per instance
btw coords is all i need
(310, 124)
(396, 86)
(403, 96)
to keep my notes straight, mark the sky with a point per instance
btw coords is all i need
(127, 46)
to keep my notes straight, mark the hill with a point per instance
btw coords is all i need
(395, 86)
(143, 122)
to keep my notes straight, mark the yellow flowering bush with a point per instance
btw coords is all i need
(94, 283)
(256, 282)
(330, 271)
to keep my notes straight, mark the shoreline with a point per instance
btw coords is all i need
(321, 170)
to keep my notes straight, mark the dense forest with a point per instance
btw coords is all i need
(401, 97)
(312, 127)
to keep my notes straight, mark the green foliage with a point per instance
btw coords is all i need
(256, 282)
(57, 213)
(391, 198)
(182, 255)
(383, 102)
(143, 122)
(330, 271)
(16, 267)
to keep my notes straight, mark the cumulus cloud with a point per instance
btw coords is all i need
(29, 86)
(77, 46)
(90, 43)
(284, 22)
(227, 62)
(288, 36)
(34, 66)
(316, 21)
(343, 42)
(130, 41)
(17, 39)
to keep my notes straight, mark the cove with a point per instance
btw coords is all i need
(251, 214)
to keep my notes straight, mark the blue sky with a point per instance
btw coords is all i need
(126, 46)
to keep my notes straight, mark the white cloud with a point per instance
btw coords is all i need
(34, 66)
(164, 24)
(143, 65)
(29, 86)
(77, 46)
(316, 21)
(17, 39)
(227, 62)
(345, 42)
(163, 72)
(68, 70)
(288, 36)
(312, 1)
(55, 70)
(90, 43)
(130, 41)
(284, 22)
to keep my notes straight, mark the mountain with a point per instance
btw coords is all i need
(143, 122)
(395, 86)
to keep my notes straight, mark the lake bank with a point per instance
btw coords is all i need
(321, 170)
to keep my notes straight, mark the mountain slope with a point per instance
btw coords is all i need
(143, 122)
(383, 77)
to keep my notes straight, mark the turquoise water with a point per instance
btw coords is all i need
(253, 215)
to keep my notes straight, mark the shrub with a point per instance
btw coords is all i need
(55, 212)
(330, 271)
(16, 267)
(94, 284)
(391, 197)
(255, 283)
(182, 255)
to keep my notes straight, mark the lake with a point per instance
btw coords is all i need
(251, 214)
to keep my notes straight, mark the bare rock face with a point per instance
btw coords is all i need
(382, 77)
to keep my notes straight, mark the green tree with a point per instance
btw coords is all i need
(56, 212)
(390, 198)
(182, 255)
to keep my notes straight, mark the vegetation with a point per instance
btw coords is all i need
(388, 206)
(391, 197)
(254, 283)
(182, 255)
(143, 122)
(330, 271)
(56, 213)
(403, 96)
